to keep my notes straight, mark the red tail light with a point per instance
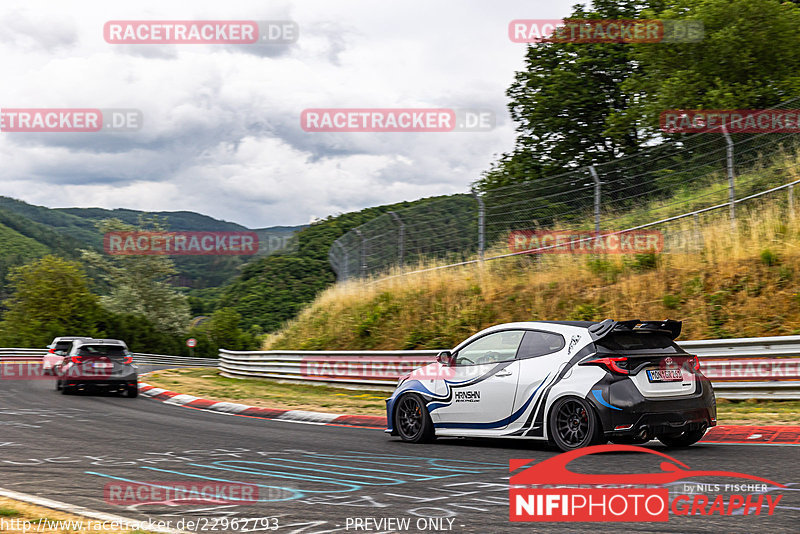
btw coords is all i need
(52, 351)
(127, 359)
(695, 362)
(77, 359)
(615, 365)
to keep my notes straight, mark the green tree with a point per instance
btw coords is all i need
(221, 331)
(562, 100)
(50, 297)
(139, 285)
(749, 58)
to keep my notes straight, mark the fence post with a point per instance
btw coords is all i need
(731, 186)
(363, 255)
(481, 222)
(697, 235)
(597, 183)
(346, 263)
(401, 236)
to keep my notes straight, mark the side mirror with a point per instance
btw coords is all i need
(445, 358)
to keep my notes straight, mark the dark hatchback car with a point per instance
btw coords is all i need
(98, 364)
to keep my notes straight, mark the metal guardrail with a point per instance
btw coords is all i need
(745, 368)
(364, 368)
(750, 368)
(14, 354)
(181, 361)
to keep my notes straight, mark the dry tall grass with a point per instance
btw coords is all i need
(720, 281)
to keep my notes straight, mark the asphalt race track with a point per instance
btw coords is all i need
(315, 479)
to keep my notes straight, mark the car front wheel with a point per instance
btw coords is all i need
(573, 424)
(412, 421)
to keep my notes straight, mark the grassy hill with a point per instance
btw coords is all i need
(272, 290)
(720, 283)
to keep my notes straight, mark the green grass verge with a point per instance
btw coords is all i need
(206, 383)
(762, 412)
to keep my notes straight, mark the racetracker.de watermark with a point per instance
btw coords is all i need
(396, 120)
(180, 243)
(180, 492)
(605, 31)
(732, 120)
(585, 242)
(375, 368)
(74, 120)
(201, 32)
(33, 370)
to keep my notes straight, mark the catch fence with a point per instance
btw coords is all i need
(688, 176)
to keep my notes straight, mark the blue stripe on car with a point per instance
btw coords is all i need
(598, 394)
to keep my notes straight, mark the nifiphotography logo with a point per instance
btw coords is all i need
(549, 492)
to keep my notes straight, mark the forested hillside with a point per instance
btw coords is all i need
(28, 232)
(274, 289)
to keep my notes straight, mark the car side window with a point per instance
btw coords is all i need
(537, 343)
(492, 348)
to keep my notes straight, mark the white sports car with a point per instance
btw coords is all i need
(574, 383)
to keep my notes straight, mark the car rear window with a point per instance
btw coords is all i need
(102, 350)
(638, 341)
(63, 345)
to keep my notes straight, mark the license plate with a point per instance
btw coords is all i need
(102, 365)
(664, 375)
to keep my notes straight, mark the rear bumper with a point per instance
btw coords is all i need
(630, 414)
(100, 382)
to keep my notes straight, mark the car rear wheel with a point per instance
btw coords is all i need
(132, 391)
(412, 421)
(684, 439)
(573, 424)
(66, 390)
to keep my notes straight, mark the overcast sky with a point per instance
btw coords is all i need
(222, 134)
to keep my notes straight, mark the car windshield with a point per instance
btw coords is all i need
(103, 350)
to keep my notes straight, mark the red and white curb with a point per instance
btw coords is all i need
(754, 435)
(232, 408)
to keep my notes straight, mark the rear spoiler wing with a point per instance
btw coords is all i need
(603, 328)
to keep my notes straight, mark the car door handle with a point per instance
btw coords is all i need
(503, 373)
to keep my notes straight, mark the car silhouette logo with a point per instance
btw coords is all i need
(554, 470)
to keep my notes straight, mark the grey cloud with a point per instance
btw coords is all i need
(31, 33)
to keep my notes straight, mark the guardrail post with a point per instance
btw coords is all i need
(401, 237)
(481, 222)
(731, 176)
(597, 182)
